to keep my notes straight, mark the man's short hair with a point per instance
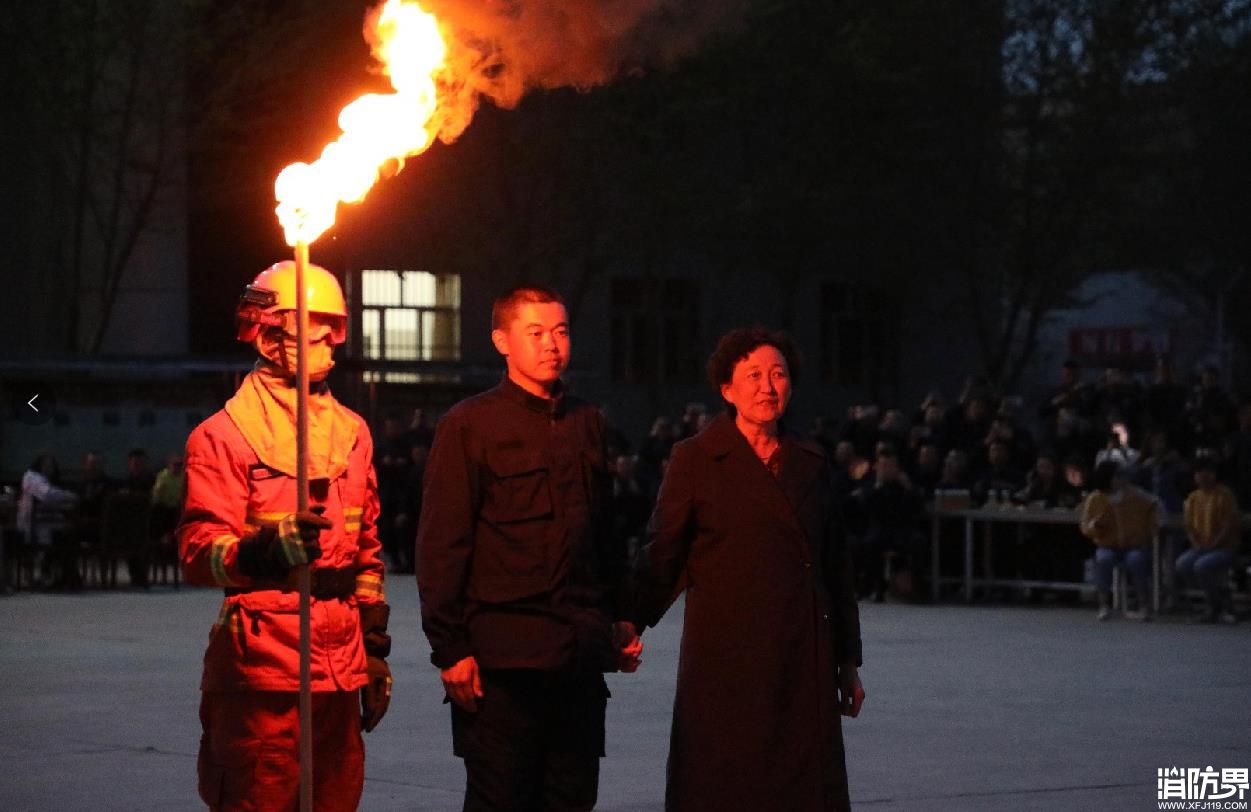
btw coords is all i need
(504, 310)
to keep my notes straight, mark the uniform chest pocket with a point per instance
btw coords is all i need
(518, 488)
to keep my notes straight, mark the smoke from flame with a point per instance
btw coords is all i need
(442, 56)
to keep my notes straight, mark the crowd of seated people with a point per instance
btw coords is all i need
(1095, 447)
(61, 530)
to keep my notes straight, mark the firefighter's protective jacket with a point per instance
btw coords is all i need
(231, 492)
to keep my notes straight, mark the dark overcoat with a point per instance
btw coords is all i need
(770, 614)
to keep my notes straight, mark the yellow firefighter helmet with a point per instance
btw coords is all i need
(269, 301)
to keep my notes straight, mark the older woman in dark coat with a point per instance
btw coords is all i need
(745, 523)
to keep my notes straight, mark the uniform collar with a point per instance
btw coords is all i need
(552, 407)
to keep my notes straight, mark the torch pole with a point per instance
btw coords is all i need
(301, 501)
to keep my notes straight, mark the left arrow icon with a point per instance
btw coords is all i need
(31, 403)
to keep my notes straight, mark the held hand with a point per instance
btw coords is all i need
(299, 536)
(376, 695)
(462, 684)
(625, 639)
(850, 691)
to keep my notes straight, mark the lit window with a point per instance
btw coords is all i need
(410, 316)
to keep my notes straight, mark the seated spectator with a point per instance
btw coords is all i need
(1121, 520)
(824, 432)
(1072, 437)
(1001, 478)
(1019, 442)
(955, 475)
(927, 471)
(933, 424)
(861, 428)
(893, 428)
(1044, 487)
(694, 418)
(1077, 477)
(1213, 525)
(41, 509)
(891, 508)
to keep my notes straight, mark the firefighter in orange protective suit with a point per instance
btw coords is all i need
(240, 531)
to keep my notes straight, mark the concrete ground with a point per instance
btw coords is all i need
(969, 708)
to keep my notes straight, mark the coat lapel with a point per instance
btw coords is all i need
(752, 479)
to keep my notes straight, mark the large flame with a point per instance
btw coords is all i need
(377, 128)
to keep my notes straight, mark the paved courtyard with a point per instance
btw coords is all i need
(969, 708)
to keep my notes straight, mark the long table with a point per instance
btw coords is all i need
(1021, 517)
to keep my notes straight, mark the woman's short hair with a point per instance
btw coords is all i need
(741, 342)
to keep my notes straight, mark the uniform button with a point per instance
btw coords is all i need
(807, 565)
(825, 616)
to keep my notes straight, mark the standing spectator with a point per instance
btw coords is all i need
(631, 505)
(139, 482)
(1119, 399)
(168, 493)
(41, 508)
(1166, 403)
(1211, 410)
(419, 430)
(654, 450)
(92, 491)
(139, 476)
(892, 508)
(1071, 394)
(391, 463)
(1121, 520)
(409, 516)
(1212, 525)
(1117, 449)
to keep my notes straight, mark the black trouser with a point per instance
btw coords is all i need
(534, 743)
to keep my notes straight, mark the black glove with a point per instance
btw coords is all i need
(376, 695)
(275, 550)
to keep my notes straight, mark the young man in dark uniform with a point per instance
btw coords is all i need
(522, 585)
